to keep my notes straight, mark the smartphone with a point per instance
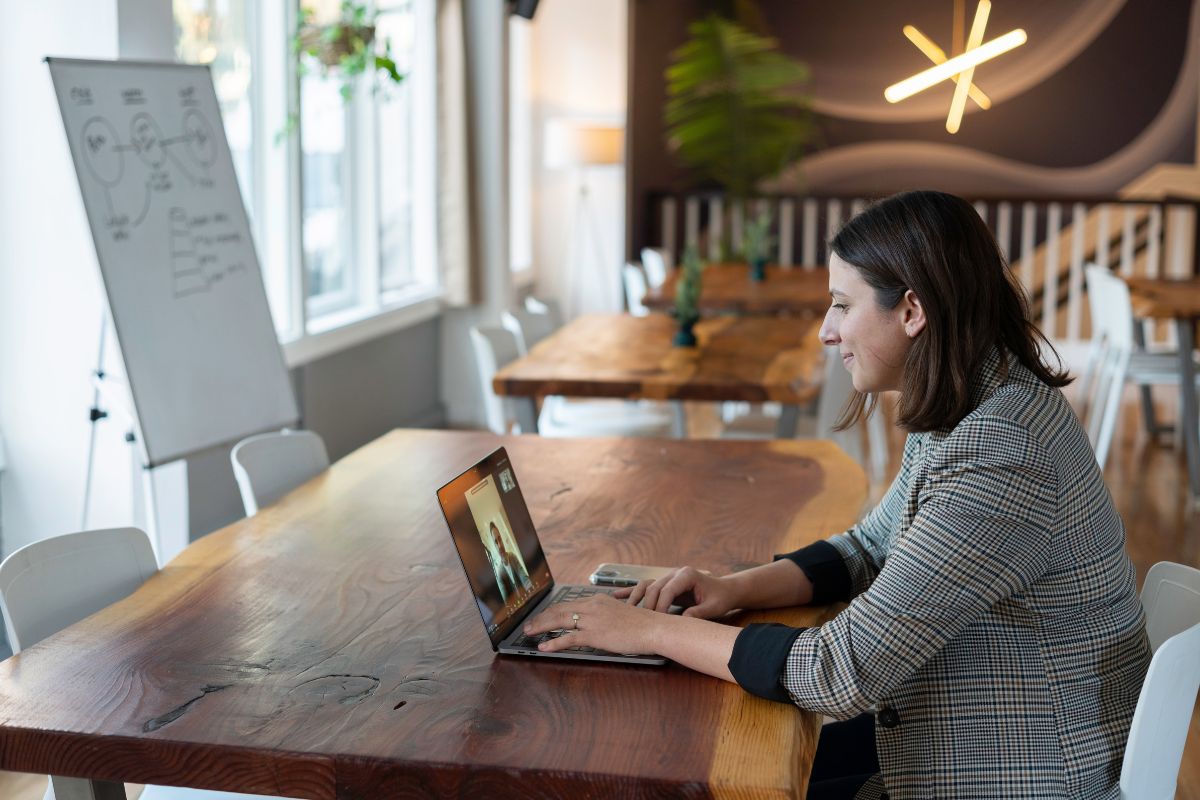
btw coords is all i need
(626, 574)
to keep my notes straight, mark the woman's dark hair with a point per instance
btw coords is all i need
(936, 245)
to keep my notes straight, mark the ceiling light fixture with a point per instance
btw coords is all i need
(961, 67)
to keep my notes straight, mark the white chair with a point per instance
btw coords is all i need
(51, 584)
(496, 347)
(544, 305)
(635, 289)
(1146, 363)
(529, 327)
(836, 388)
(1115, 359)
(1171, 598)
(270, 465)
(656, 261)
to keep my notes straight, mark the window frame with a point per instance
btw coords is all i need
(311, 328)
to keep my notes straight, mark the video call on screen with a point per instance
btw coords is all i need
(494, 535)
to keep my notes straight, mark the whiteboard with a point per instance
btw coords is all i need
(173, 242)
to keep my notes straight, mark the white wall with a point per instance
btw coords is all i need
(51, 306)
(579, 71)
(50, 296)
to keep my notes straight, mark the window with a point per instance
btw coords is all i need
(342, 198)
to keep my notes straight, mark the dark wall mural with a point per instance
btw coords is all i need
(1101, 93)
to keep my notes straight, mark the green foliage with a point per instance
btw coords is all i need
(345, 48)
(687, 288)
(734, 114)
(757, 238)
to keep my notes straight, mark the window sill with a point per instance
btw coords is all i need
(333, 333)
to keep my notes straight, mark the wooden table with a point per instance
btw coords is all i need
(329, 646)
(1178, 300)
(751, 359)
(794, 291)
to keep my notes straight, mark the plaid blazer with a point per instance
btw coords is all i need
(994, 626)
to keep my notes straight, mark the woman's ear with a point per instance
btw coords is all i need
(912, 314)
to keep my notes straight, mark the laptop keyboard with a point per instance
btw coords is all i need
(565, 594)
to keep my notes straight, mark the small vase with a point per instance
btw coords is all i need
(685, 336)
(758, 269)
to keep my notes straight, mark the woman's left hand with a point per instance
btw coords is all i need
(601, 622)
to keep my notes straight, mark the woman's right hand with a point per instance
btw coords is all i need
(712, 596)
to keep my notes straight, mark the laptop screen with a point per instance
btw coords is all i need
(494, 536)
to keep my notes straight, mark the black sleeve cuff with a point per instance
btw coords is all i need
(759, 656)
(826, 571)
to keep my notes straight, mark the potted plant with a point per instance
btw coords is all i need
(735, 113)
(687, 298)
(756, 244)
(345, 48)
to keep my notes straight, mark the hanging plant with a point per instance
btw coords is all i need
(345, 48)
(734, 114)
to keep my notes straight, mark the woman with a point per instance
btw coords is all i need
(994, 628)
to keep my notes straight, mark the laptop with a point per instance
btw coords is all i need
(505, 564)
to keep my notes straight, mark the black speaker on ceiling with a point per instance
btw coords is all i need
(525, 8)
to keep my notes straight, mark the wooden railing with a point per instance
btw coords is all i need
(1047, 241)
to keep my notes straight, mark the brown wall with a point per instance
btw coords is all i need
(1085, 112)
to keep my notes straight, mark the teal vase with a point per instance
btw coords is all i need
(758, 269)
(686, 335)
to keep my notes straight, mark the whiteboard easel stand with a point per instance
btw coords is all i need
(145, 498)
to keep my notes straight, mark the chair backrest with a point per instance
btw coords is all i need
(1112, 320)
(635, 289)
(657, 263)
(270, 465)
(53, 583)
(529, 327)
(494, 348)
(836, 388)
(1110, 306)
(544, 305)
(1171, 597)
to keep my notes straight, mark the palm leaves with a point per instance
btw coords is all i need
(734, 114)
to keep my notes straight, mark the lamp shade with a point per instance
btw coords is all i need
(571, 143)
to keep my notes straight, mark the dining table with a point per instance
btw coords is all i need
(727, 288)
(747, 359)
(329, 646)
(1177, 300)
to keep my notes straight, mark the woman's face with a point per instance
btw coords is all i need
(873, 341)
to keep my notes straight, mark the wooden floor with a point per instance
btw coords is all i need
(1148, 482)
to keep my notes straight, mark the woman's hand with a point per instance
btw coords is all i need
(710, 597)
(600, 622)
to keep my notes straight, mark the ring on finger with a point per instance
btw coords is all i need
(575, 622)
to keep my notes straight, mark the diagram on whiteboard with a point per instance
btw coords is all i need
(195, 264)
(158, 162)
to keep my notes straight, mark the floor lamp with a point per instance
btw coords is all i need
(584, 146)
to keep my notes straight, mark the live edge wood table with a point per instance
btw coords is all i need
(1178, 300)
(727, 288)
(329, 647)
(750, 359)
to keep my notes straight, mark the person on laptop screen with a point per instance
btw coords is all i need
(993, 628)
(511, 575)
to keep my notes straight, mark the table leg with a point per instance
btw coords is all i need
(678, 420)
(525, 409)
(85, 789)
(789, 418)
(1188, 416)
